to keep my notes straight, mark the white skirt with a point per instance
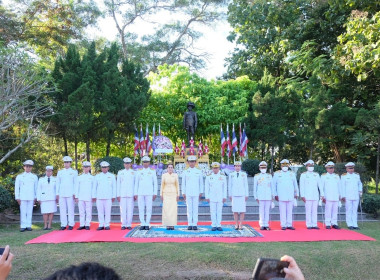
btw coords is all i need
(238, 204)
(49, 206)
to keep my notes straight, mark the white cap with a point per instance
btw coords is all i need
(310, 161)
(28, 162)
(86, 164)
(330, 164)
(67, 158)
(104, 164)
(127, 160)
(349, 164)
(49, 167)
(215, 164)
(263, 163)
(284, 161)
(237, 162)
(191, 158)
(145, 159)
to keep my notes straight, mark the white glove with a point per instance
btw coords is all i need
(272, 205)
(295, 202)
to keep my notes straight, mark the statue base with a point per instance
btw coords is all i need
(203, 159)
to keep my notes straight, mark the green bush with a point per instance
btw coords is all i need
(251, 166)
(116, 164)
(5, 199)
(371, 204)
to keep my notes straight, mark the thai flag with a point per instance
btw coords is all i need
(137, 142)
(142, 141)
(229, 146)
(234, 140)
(244, 145)
(147, 141)
(240, 139)
(222, 141)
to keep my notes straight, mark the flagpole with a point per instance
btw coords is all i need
(221, 157)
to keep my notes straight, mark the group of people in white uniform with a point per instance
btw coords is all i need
(67, 188)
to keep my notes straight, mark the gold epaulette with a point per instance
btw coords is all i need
(152, 168)
(197, 167)
(324, 174)
(140, 169)
(304, 172)
(257, 174)
(278, 171)
(356, 173)
(187, 167)
(344, 174)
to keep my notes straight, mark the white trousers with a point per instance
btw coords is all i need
(145, 201)
(311, 208)
(126, 211)
(85, 212)
(264, 208)
(192, 203)
(66, 210)
(104, 211)
(286, 213)
(331, 213)
(352, 213)
(26, 213)
(216, 213)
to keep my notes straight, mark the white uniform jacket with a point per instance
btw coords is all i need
(105, 186)
(46, 191)
(331, 186)
(192, 182)
(85, 187)
(26, 186)
(216, 187)
(146, 182)
(66, 181)
(238, 186)
(285, 185)
(262, 186)
(125, 183)
(351, 186)
(310, 183)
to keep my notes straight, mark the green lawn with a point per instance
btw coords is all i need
(318, 260)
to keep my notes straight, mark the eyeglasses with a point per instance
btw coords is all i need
(67, 162)
(329, 167)
(28, 166)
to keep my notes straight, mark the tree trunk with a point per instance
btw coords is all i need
(109, 139)
(272, 160)
(76, 152)
(65, 144)
(377, 165)
(88, 147)
(311, 151)
(337, 155)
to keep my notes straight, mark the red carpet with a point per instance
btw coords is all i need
(301, 234)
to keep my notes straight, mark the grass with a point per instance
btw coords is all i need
(318, 260)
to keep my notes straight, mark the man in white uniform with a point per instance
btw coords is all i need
(125, 193)
(66, 181)
(25, 194)
(216, 194)
(331, 186)
(85, 195)
(352, 189)
(105, 193)
(285, 190)
(310, 191)
(46, 196)
(145, 192)
(238, 193)
(263, 193)
(192, 189)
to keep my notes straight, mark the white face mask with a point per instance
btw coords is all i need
(310, 168)
(284, 168)
(263, 171)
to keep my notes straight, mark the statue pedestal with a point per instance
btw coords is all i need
(203, 159)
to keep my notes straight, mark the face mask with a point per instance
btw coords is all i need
(284, 168)
(263, 171)
(310, 168)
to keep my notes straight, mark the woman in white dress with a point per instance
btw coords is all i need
(46, 196)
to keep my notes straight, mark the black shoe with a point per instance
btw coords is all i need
(357, 228)
(63, 228)
(262, 228)
(219, 229)
(29, 229)
(49, 228)
(328, 227)
(87, 228)
(213, 228)
(100, 228)
(45, 228)
(70, 228)
(309, 227)
(283, 228)
(189, 228)
(123, 228)
(80, 228)
(129, 228)
(22, 229)
(291, 228)
(336, 226)
(351, 228)
(146, 227)
(168, 228)
(107, 228)
(142, 227)
(315, 227)
(194, 228)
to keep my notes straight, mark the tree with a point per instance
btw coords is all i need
(22, 86)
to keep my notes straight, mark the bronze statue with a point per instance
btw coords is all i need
(190, 121)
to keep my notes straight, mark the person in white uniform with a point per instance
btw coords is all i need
(46, 196)
(66, 181)
(352, 189)
(285, 191)
(263, 193)
(145, 192)
(238, 193)
(216, 195)
(192, 189)
(105, 194)
(331, 186)
(26, 194)
(125, 193)
(85, 195)
(310, 192)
